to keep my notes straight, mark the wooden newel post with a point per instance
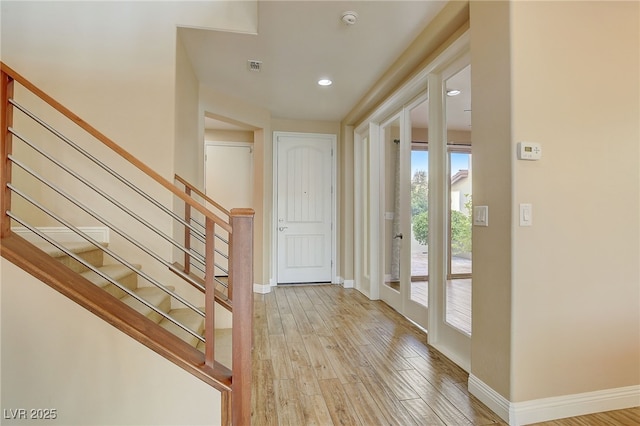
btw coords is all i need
(241, 280)
(6, 121)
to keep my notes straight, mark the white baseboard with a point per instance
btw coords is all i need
(546, 409)
(64, 234)
(492, 399)
(261, 288)
(344, 283)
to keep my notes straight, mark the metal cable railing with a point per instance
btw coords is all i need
(100, 163)
(106, 250)
(101, 193)
(200, 197)
(195, 256)
(219, 250)
(88, 265)
(104, 221)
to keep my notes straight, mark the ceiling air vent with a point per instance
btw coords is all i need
(254, 65)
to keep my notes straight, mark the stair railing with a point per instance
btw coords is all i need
(194, 228)
(229, 239)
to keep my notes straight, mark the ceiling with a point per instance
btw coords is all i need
(299, 42)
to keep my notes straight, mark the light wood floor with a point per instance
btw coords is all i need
(324, 355)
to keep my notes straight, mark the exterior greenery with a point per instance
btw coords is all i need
(460, 222)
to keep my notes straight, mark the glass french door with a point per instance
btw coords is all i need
(459, 261)
(417, 212)
(450, 204)
(393, 287)
(418, 204)
(420, 222)
(405, 223)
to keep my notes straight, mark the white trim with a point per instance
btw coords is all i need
(261, 288)
(417, 83)
(64, 234)
(349, 284)
(539, 410)
(546, 409)
(492, 399)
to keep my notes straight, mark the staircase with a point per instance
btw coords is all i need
(129, 280)
(190, 259)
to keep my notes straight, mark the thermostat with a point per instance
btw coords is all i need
(529, 151)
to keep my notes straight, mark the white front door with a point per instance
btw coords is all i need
(304, 207)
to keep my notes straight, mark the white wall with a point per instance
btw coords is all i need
(492, 258)
(576, 281)
(57, 355)
(562, 335)
(118, 66)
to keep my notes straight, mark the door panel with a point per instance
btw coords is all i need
(458, 286)
(415, 180)
(304, 208)
(392, 286)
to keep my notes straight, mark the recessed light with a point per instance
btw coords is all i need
(453, 92)
(325, 82)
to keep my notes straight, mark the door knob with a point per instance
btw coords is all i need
(398, 236)
(282, 228)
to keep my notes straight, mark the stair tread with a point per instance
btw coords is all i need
(114, 271)
(154, 296)
(188, 318)
(75, 247)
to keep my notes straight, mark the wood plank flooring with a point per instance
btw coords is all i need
(325, 355)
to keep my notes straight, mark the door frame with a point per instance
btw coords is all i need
(364, 254)
(334, 198)
(452, 342)
(412, 309)
(392, 297)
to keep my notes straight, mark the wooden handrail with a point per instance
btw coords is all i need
(82, 291)
(113, 146)
(235, 385)
(191, 187)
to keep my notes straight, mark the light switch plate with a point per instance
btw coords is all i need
(481, 215)
(526, 215)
